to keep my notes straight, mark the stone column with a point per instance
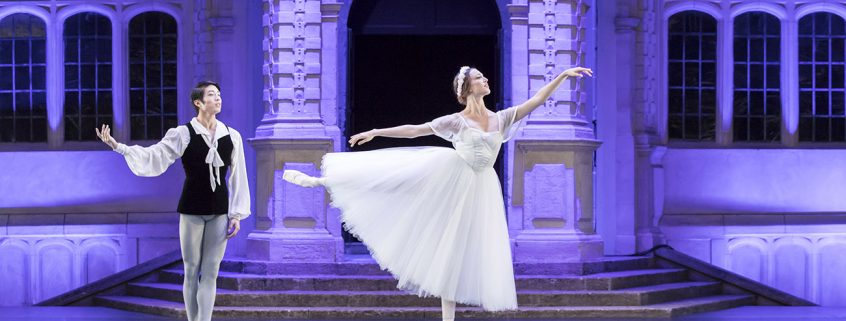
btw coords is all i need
(551, 210)
(649, 155)
(295, 224)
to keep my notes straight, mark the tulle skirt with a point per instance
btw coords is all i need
(430, 219)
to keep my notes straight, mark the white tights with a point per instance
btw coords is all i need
(203, 242)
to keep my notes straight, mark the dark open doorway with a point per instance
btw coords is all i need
(403, 57)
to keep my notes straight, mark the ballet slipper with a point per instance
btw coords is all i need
(300, 178)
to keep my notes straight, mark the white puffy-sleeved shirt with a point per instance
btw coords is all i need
(154, 160)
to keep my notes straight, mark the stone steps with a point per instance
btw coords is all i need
(303, 282)
(660, 310)
(364, 265)
(633, 296)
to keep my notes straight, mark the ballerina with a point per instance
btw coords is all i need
(434, 217)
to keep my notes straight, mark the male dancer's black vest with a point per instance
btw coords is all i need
(197, 196)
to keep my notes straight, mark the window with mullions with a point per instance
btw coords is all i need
(88, 75)
(23, 97)
(691, 63)
(152, 75)
(757, 55)
(822, 117)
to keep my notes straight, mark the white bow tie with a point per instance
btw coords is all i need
(215, 162)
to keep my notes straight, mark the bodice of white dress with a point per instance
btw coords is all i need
(477, 147)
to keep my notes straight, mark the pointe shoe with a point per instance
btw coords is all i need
(300, 178)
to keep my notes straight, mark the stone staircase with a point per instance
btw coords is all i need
(613, 287)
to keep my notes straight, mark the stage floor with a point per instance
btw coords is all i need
(752, 313)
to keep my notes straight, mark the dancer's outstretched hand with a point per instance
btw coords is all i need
(105, 136)
(578, 72)
(234, 227)
(361, 138)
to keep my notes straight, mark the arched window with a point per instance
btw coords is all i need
(23, 95)
(757, 58)
(822, 117)
(152, 75)
(88, 75)
(692, 76)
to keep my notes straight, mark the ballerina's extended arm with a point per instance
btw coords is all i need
(404, 131)
(544, 93)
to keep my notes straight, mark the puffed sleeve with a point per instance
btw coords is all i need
(239, 188)
(154, 160)
(446, 127)
(509, 124)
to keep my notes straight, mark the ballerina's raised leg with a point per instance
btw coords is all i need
(301, 179)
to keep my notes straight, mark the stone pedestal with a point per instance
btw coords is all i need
(293, 223)
(553, 181)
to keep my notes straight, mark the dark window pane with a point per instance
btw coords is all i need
(838, 129)
(691, 47)
(21, 78)
(675, 74)
(169, 75)
(154, 105)
(71, 103)
(756, 129)
(21, 51)
(87, 126)
(71, 77)
(169, 101)
(88, 75)
(837, 49)
(39, 52)
(709, 74)
(104, 104)
(136, 75)
(709, 101)
(821, 49)
(741, 128)
(773, 76)
(39, 104)
(675, 101)
(154, 126)
(691, 102)
(39, 77)
(756, 103)
(39, 129)
(88, 103)
(691, 127)
(821, 129)
(6, 78)
(821, 75)
(837, 103)
(5, 51)
(806, 129)
(23, 129)
(806, 79)
(773, 103)
(104, 50)
(741, 103)
(756, 50)
(136, 102)
(806, 103)
(709, 47)
(104, 76)
(740, 49)
(137, 127)
(756, 76)
(773, 50)
(169, 47)
(806, 49)
(821, 24)
(691, 74)
(821, 103)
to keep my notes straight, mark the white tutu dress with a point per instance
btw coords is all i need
(433, 216)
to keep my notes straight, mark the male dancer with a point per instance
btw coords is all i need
(209, 149)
